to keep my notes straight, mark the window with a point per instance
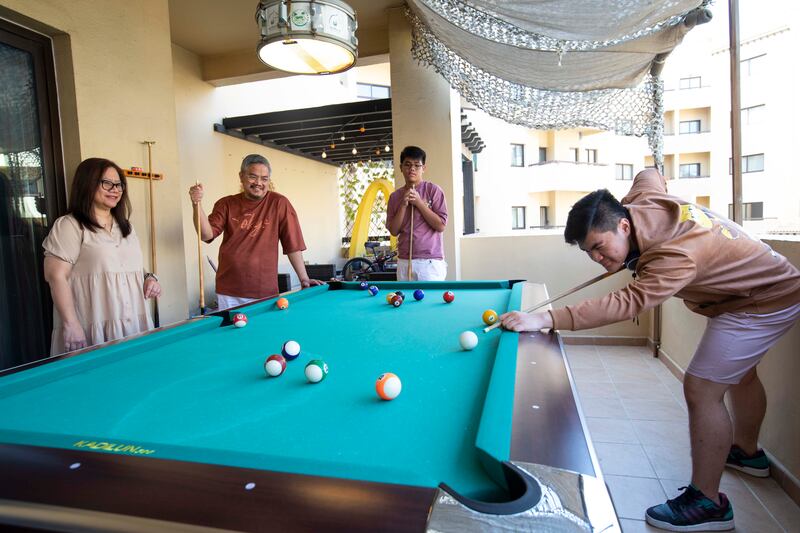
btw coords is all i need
(575, 154)
(750, 163)
(750, 211)
(517, 155)
(474, 162)
(542, 154)
(368, 91)
(544, 218)
(690, 83)
(751, 66)
(624, 171)
(591, 155)
(518, 217)
(690, 170)
(753, 115)
(689, 126)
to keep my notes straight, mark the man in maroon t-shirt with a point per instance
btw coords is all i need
(252, 223)
(425, 202)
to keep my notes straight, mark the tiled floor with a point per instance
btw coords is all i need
(637, 419)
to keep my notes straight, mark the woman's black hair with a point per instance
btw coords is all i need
(84, 186)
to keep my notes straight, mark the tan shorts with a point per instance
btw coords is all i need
(733, 343)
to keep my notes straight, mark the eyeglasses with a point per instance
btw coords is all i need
(415, 166)
(252, 178)
(109, 185)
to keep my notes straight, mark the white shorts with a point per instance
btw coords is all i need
(226, 302)
(733, 343)
(422, 270)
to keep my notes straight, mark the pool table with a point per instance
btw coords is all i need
(181, 427)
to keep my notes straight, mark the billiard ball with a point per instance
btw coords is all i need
(419, 294)
(240, 320)
(275, 365)
(468, 340)
(448, 296)
(373, 290)
(401, 294)
(316, 370)
(290, 350)
(397, 300)
(489, 317)
(363, 285)
(389, 298)
(282, 303)
(388, 386)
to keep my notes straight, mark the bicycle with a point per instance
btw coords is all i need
(359, 268)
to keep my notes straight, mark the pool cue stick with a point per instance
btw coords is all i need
(156, 320)
(200, 257)
(411, 243)
(562, 295)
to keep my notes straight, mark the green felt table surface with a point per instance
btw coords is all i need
(198, 391)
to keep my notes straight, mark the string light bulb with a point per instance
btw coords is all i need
(362, 129)
(354, 151)
(377, 151)
(333, 146)
(386, 148)
(342, 137)
(324, 155)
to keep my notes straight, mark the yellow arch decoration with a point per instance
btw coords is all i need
(361, 226)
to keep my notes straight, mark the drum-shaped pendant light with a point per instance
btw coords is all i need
(307, 36)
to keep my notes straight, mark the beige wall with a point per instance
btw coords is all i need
(779, 370)
(549, 260)
(426, 112)
(214, 159)
(116, 90)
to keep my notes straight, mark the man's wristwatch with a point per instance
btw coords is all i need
(150, 275)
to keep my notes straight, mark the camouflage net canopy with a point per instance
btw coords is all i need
(557, 65)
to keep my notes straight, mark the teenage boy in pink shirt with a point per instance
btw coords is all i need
(430, 219)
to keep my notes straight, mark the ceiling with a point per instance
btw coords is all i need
(224, 34)
(307, 132)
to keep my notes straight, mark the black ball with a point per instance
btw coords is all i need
(400, 294)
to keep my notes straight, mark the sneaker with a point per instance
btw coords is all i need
(756, 465)
(692, 511)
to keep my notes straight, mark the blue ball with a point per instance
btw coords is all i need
(373, 290)
(363, 285)
(419, 294)
(290, 350)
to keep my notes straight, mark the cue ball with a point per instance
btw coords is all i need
(282, 303)
(468, 340)
(489, 317)
(316, 370)
(448, 296)
(290, 350)
(275, 365)
(240, 320)
(388, 386)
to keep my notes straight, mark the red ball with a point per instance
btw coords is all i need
(397, 300)
(448, 296)
(239, 320)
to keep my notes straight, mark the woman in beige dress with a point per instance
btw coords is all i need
(93, 263)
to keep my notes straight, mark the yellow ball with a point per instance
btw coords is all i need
(389, 298)
(489, 317)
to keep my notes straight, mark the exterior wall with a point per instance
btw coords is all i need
(426, 112)
(214, 159)
(546, 259)
(116, 90)
(780, 433)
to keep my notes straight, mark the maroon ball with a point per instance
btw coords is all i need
(448, 296)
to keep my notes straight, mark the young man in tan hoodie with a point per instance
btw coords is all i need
(750, 294)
